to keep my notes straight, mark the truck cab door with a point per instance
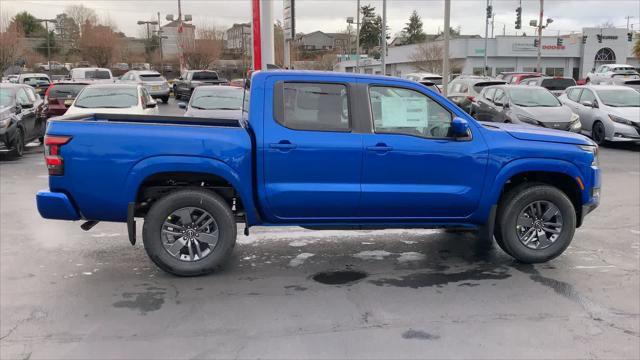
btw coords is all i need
(413, 168)
(312, 158)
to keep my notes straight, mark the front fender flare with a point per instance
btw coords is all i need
(163, 164)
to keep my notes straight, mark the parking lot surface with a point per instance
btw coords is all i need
(294, 293)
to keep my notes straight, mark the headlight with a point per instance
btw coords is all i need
(592, 149)
(620, 120)
(575, 122)
(528, 120)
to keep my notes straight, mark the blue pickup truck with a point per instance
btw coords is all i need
(322, 151)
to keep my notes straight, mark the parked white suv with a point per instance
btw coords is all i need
(612, 74)
(152, 80)
(94, 75)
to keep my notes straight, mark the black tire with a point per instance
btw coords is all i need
(164, 207)
(165, 99)
(18, 144)
(598, 133)
(176, 95)
(510, 208)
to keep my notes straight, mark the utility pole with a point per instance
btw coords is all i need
(46, 25)
(486, 35)
(628, 18)
(358, 37)
(383, 37)
(160, 32)
(445, 50)
(493, 18)
(539, 61)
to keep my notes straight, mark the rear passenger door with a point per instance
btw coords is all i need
(312, 158)
(28, 113)
(586, 113)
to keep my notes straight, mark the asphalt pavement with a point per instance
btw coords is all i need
(293, 293)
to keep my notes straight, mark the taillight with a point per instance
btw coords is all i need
(55, 162)
(471, 98)
(46, 93)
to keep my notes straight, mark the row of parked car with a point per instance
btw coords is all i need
(607, 108)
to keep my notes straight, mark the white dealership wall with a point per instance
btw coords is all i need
(513, 52)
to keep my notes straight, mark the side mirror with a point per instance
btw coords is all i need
(151, 104)
(18, 109)
(587, 103)
(506, 105)
(460, 127)
(182, 105)
(26, 106)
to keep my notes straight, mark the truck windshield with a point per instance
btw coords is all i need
(107, 97)
(228, 99)
(620, 97)
(533, 97)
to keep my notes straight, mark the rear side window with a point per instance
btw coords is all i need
(557, 84)
(65, 90)
(314, 106)
(587, 95)
(204, 75)
(488, 94)
(574, 94)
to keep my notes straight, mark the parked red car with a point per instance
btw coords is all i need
(59, 96)
(516, 77)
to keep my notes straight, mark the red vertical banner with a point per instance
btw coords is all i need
(257, 50)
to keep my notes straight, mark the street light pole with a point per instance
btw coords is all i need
(383, 37)
(486, 34)
(46, 25)
(539, 61)
(445, 48)
(358, 37)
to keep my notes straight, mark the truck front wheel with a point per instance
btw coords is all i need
(536, 223)
(189, 232)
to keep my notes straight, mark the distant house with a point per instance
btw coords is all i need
(177, 36)
(237, 37)
(321, 41)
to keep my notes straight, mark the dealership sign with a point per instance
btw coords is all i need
(553, 47)
(523, 47)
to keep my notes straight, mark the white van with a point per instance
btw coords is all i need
(95, 75)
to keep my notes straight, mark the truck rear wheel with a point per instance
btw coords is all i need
(189, 232)
(536, 223)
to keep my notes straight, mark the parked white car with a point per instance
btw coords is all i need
(612, 74)
(153, 81)
(94, 75)
(113, 99)
(607, 112)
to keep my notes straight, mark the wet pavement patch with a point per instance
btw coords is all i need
(419, 280)
(419, 335)
(144, 302)
(295, 287)
(340, 277)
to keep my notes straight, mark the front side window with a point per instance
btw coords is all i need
(22, 98)
(313, 106)
(404, 111)
(500, 97)
(489, 93)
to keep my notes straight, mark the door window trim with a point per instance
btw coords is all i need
(278, 103)
(373, 125)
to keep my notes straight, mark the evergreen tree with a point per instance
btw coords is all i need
(413, 32)
(370, 28)
(29, 25)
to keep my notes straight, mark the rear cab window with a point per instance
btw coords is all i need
(313, 106)
(204, 75)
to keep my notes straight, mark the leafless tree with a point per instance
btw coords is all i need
(206, 48)
(428, 57)
(99, 44)
(81, 14)
(10, 46)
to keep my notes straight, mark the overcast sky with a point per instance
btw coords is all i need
(330, 15)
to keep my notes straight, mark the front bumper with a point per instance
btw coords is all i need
(592, 193)
(624, 133)
(54, 205)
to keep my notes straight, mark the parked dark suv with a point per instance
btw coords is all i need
(464, 89)
(184, 85)
(21, 119)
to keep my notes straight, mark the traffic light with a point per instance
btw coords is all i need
(629, 36)
(599, 36)
(489, 11)
(584, 39)
(518, 18)
(559, 41)
(535, 43)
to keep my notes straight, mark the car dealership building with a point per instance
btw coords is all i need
(578, 54)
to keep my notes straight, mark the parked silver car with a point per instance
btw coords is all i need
(532, 105)
(153, 81)
(607, 112)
